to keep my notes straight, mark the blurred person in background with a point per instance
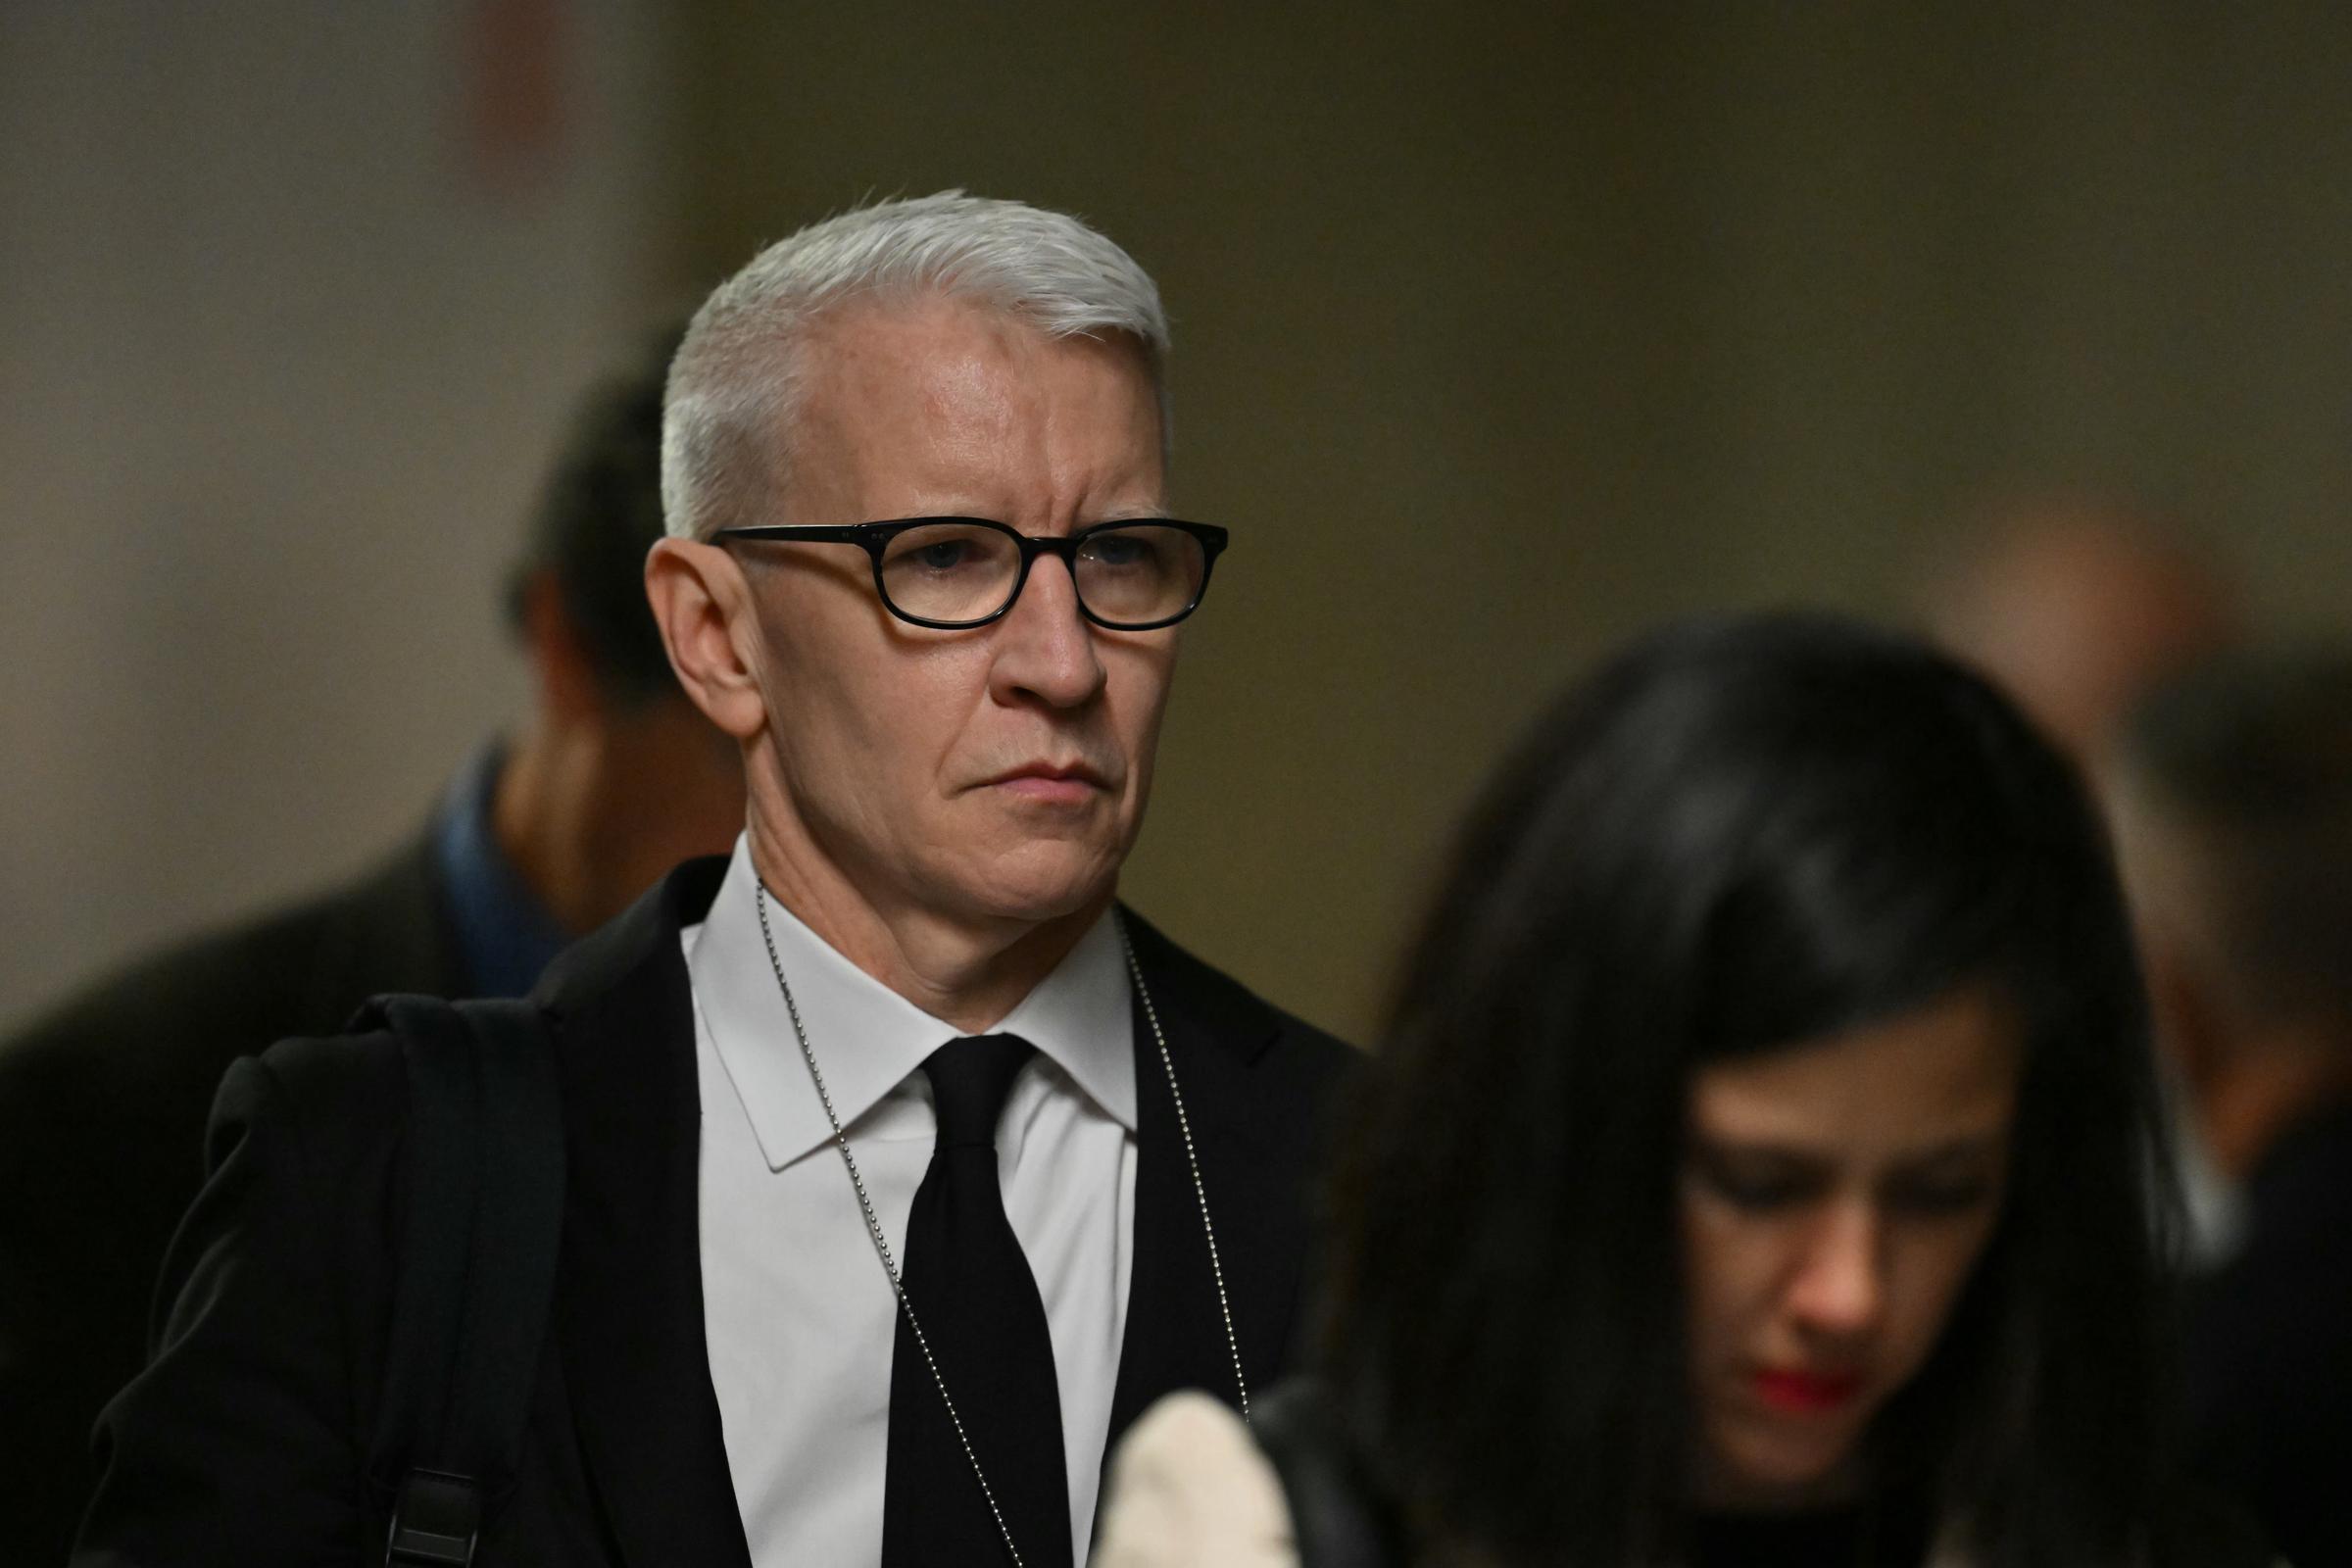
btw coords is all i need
(2232, 796)
(2075, 607)
(1754, 1170)
(614, 778)
(891, 1141)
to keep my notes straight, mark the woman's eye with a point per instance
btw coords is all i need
(1760, 1196)
(1941, 1196)
(1759, 1191)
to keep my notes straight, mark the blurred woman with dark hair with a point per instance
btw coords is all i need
(1758, 1167)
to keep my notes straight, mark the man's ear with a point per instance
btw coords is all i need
(704, 609)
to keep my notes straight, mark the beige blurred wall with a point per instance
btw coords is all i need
(284, 345)
(1505, 330)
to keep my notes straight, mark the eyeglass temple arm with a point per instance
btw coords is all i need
(814, 533)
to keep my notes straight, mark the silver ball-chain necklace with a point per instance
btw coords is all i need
(873, 1227)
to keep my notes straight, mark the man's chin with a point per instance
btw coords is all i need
(1036, 889)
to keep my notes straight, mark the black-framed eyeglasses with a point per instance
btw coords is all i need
(953, 573)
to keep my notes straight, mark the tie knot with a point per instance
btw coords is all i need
(969, 1080)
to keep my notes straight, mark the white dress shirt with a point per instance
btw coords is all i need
(798, 1314)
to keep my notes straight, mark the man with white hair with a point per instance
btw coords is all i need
(904, 1165)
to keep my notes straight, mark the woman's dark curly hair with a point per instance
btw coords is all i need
(1740, 836)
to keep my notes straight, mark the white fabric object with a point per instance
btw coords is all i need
(798, 1314)
(1190, 1489)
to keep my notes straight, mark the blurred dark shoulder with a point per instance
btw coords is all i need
(2193, 1527)
(299, 970)
(103, 1106)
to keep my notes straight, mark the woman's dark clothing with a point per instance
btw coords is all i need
(2270, 1349)
(1890, 1534)
(1340, 1518)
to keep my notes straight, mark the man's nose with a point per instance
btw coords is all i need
(1839, 1287)
(1046, 648)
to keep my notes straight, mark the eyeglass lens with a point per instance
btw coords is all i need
(963, 571)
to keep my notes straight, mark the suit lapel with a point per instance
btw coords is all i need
(1175, 1332)
(629, 1302)
(629, 1299)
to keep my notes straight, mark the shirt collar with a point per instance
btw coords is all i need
(867, 1038)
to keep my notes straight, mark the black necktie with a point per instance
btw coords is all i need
(972, 1290)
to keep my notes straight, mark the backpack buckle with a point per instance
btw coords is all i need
(434, 1521)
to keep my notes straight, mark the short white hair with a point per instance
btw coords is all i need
(737, 383)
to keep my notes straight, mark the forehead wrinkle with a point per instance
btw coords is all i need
(1136, 487)
(1048, 399)
(985, 406)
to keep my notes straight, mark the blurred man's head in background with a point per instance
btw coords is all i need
(617, 777)
(2230, 790)
(2077, 606)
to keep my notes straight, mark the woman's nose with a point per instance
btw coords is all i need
(1839, 1287)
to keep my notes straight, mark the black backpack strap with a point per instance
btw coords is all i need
(1338, 1516)
(479, 1223)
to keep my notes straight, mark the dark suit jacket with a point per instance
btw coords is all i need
(245, 1441)
(102, 1108)
(2270, 1366)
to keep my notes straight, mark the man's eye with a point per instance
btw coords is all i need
(1120, 552)
(945, 554)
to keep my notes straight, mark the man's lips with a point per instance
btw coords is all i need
(1806, 1393)
(1050, 781)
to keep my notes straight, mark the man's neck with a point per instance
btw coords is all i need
(969, 972)
(539, 815)
(590, 812)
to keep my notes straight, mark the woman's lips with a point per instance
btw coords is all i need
(1807, 1393)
